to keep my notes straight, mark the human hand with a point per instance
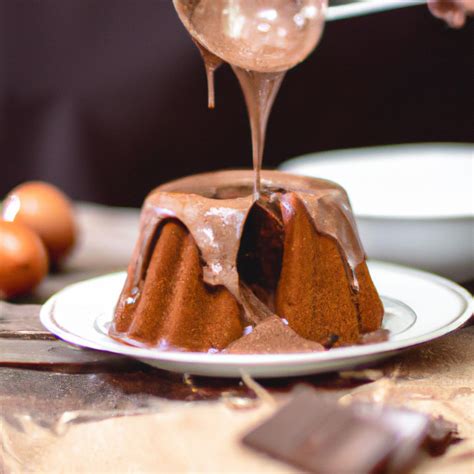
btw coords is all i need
(453, 12)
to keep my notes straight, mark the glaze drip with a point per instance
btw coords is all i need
(211, 63)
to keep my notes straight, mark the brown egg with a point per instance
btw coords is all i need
(46, 211)
(23, 259)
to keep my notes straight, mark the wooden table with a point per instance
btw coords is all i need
(66, 409)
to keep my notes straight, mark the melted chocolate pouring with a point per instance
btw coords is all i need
(260, 90)
(260, 41)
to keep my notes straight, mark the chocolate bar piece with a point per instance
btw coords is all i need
(441, 434)
(318, 435)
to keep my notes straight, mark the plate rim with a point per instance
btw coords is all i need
(267, 360)
(344, 154)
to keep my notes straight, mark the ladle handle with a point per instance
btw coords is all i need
(365, 7)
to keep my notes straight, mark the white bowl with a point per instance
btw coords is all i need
(414, 204)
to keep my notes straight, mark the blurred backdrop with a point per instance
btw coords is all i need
(107, 99)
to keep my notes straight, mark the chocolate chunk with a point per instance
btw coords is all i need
(331, 340)
(272, 336)
(318, 435)
(441, 434)
(380, 335)
(433, 434)
(409, 427)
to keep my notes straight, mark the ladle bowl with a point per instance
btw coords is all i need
(256, 35)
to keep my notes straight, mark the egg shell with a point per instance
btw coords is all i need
(45, 210)
(23, 259)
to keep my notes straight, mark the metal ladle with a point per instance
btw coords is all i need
(256, 35)
(268, 35)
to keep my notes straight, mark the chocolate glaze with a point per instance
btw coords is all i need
(327, 203)
(214, 208)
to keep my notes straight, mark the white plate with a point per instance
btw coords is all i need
(414, 204)
(419, 307)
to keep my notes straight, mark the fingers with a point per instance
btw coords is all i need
(453, 12)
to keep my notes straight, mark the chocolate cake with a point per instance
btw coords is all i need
(211, 265)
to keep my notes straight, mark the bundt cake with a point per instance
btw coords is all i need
(214, 270)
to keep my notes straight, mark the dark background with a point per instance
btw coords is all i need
(107, 99)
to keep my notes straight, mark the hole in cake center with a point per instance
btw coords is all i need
(261, 249)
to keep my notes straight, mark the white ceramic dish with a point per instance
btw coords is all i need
(419, 307)
(414, 204)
